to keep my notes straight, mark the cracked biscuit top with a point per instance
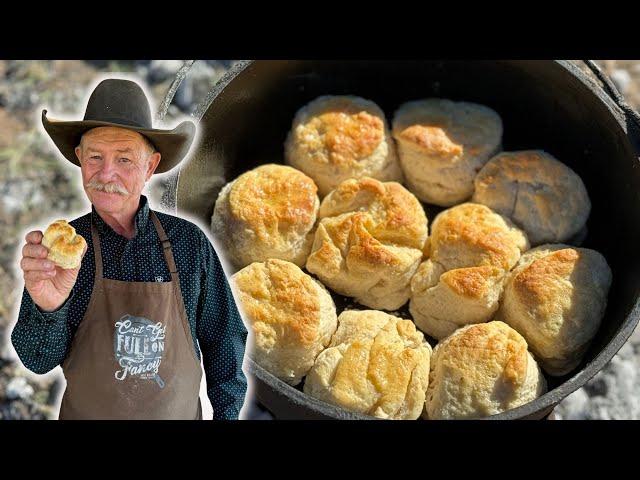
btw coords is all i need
(540, 194)
(369, 242)
(376, 364)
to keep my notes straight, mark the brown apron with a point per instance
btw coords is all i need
(133, 354)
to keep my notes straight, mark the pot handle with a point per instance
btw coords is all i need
(173, 88)
(613, 92)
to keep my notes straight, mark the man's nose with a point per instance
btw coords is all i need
(108, 168)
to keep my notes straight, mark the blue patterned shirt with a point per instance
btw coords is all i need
(42, 339)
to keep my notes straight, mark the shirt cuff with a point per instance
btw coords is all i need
(54, 316)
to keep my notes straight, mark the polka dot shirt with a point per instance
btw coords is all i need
(42, 340)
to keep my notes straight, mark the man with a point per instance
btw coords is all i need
(125, 325)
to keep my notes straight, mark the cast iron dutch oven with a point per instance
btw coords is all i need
(568, 109)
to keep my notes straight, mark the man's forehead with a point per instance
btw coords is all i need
(112, 135)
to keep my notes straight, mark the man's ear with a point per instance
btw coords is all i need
(78, 151)
(152, 163)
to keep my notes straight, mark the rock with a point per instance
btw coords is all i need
(574, 406)
(161, 70)
(622, 79)
(19, 388)
(198, 82)
(611, 394)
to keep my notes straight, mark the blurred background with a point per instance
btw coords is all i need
(32, 174)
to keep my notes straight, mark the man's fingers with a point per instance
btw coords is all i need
(36, 275)
(34, 251)
(34, 236)
(36, 264)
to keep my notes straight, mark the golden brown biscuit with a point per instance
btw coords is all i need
(470, 250)
(290, 316)
(376, 364)
(369, 242)
(556, 298)
(442, 145)
(541, 195)
(481, 370)
(441, 303)
(64, 244)
(470, 235)
(268, 212)
(334, 138)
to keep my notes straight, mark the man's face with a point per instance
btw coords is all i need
(116, 163)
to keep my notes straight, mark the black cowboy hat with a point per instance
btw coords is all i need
(121, 103)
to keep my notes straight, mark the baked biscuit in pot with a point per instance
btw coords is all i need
(540, 194)
(290, 317)
(470, 250)
(268, 212)
(377, 364)
(556, 297)
(481, 370)
(442, 145)
(369, 242)
(337, 137)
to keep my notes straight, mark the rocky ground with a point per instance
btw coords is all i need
(31, 175)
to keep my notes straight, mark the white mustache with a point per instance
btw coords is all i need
(110, 187)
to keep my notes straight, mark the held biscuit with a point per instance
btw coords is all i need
(291, 317)
(268, 212)
(64, 244)
(369, 242)
(470, 250)
(442, 145)
(334, 138)
(556, 298)
(377, 364)
(541, 195)
(481, 370)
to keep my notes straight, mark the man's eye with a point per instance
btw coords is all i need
(124, 160)
(95, 157)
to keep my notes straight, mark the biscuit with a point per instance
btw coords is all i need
(369, 242)
(481, 370)
(334, 138)
(376, 364)
(556, 297)
(290, 316)
(65, 245)
(471, 235)
(541, 195)
(442, 144)
(441, 304)
(268, 212)
(470, 250)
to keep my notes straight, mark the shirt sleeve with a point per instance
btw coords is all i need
(41, 338)
(222, 337)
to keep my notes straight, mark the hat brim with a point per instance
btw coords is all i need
(173, 145)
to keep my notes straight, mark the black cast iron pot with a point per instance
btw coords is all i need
(571, 111)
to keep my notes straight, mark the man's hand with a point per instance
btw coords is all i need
(48, 284)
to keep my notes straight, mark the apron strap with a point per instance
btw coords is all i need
(166, 245)
(96, 249)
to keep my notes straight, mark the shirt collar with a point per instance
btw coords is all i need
(140, 221)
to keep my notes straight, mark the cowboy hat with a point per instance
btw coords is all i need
(121, 103)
